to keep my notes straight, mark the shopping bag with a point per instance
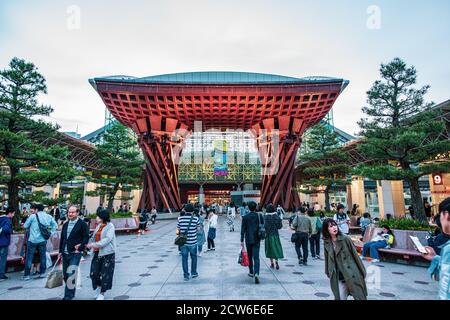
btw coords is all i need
(243, 258)
(54, 278)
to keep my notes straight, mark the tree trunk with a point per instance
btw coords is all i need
(327, 198)
(416, 199)
(111, 197)
(13, 198)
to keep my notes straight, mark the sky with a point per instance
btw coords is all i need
(72, 41)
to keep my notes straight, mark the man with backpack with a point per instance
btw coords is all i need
(252, 230)
(303, 229)
(41, 226)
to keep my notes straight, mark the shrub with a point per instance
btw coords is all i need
(115, 215)
(405, 224)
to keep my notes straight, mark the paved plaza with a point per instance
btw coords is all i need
(148, 267)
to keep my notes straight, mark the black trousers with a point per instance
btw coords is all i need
(302, 242)
(314, 244)
(253, 257)
(211, 243)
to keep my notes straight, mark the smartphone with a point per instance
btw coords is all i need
(418, 245)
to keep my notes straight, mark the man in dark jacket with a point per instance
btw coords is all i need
(5, 239)
(74, 237)
(249, 232)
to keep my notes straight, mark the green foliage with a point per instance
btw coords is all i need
(328, 213)
(22, 135)
(121, 162)
(405, 224)
(76, 196)
(329, 169)
(403, 134)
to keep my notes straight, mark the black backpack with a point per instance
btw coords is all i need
(46, 234)
(261, 228)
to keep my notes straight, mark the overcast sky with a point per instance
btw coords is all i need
(299, 38)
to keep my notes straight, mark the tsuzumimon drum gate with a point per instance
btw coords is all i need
(163, 110)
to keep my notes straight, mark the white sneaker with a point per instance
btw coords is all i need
(100, 297)
(97, 292)
(375, 260)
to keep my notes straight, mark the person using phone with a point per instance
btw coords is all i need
(383, 239)
(440, 264)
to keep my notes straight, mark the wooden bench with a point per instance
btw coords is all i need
(354, 226)
(402, 249)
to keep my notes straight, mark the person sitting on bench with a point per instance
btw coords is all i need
(384, 239)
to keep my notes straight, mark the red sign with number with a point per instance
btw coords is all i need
(437, 179)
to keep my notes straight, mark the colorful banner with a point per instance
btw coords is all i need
(220, 158)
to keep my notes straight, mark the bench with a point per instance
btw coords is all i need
(402, 249)
(354, 225)
(120, 224)
(15, 248)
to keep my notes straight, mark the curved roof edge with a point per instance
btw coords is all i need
(219, 77)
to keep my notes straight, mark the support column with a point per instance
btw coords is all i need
(278, 140)
(161, 142)
(201, 195)
(357, 193)
(391, 199)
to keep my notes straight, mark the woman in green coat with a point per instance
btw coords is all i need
(342, 264)
(272, 223)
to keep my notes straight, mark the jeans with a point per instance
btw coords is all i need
(200, 249)
(185, 251)
(303, 243)
(70, 261)
(314, 244)
(3, 258)
(253, 257)
(373, 247)
(31, 248)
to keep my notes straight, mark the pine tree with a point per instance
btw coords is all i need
(22, 152)
(121, 162)
(329, 169)
(403, 133)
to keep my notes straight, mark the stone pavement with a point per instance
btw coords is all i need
(149, 267)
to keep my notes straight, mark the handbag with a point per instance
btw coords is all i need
(261, 229)
(55, 277)
(294, 237)
(46, 234)
(181, 239)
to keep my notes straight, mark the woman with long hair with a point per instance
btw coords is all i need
(342, 264)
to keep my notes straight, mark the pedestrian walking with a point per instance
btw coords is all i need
(273, 248)
(41, 226)
(201, 238)
(6, 230)
(143, 220)
(314, 239)
(303, 229)
(231, 216)
(212, 225)
(74, 238)
(189, 225)
(280, 211)
(249, 232)
(103, 242)
(342, 265)
(342, 219)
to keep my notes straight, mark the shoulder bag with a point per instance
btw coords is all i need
(46, 234)
(181, 239)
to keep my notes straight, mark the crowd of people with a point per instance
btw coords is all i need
(342, 263)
